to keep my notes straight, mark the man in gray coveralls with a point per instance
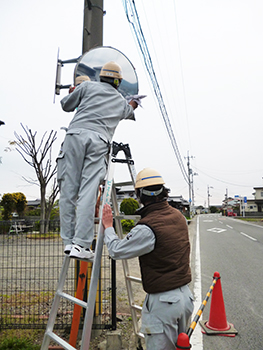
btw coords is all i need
(82, 161)
(160, 240)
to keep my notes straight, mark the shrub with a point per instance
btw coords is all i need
(8, 204)
(36, 228)
(129, 206)
(127, 225)
(13, 202)
(33, 212)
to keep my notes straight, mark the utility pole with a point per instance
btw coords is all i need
(193, 197)
(92, 24)
(92, 37)
(226, 201)
(190, 172)
(208, 196)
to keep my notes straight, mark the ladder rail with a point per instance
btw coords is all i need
(96, 265)
(132, 172)
(108, 195)
(128, 278)
(55, 304)
(133, 307)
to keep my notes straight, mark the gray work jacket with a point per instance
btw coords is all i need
(100, 108)
(139, 241)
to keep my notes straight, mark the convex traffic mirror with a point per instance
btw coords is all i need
(92, 61)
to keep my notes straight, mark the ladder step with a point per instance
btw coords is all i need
(60, 341)
(136, 307)
(134, 279)
(128, 217)
(72, 299)
(140, 335)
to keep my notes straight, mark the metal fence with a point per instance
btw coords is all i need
(29, 271)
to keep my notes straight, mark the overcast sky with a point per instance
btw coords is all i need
(207, 56)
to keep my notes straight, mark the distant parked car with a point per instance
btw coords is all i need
(231, 213)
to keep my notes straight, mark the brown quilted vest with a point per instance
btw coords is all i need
(167, 266)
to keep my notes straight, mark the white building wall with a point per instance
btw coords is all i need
(259, 193)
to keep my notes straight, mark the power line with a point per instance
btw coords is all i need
(182, 74)
(226, 182)
(133, 18)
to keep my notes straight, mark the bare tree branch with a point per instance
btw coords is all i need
(39, 156)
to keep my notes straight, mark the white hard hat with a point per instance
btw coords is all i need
(111, 70)
(81, 78)
(148, 177)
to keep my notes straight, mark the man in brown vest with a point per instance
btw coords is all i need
(160, 240)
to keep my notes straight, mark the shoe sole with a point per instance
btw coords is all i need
(80, 258)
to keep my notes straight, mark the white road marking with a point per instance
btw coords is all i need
(229, 226)
(216, 229)
(245, 222)
(252, 238)
(196, 339)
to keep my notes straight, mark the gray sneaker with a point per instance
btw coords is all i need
(78, 252)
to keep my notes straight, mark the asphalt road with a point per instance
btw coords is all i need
(235, 250)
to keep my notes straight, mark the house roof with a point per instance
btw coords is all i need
(125, 189)
(178, 199)
(33, 203)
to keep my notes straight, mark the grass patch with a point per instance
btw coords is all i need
(25, 308)
(251, 219)
(19, 340)
(29, 298)
(42, 236)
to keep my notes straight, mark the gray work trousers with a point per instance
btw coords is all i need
(82, 165)
(164, 316)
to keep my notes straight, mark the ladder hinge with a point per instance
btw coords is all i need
(116, 147)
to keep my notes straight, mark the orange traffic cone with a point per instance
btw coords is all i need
(183, 342)
(217, 323)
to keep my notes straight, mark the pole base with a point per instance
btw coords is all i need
(231, 332)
